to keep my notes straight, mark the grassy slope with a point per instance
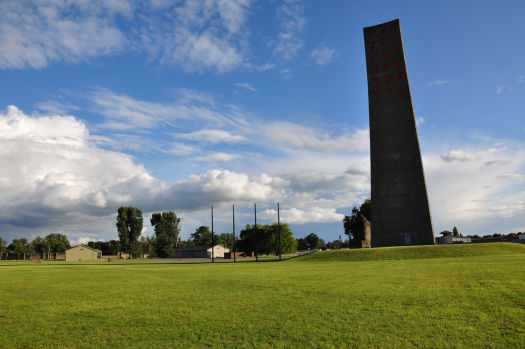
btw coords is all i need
(415, 252)
(427, 303)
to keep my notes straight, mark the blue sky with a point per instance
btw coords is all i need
(180, 105)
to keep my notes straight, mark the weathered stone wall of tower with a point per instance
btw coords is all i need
(400, 210)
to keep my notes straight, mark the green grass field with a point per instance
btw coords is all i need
(474, 301)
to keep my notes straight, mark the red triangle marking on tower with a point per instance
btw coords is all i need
(400, 89)
(398, 76)
(383, 42)
(372, 44)
(382, 31)
(396, 51)
(371, 33)
(384, 54)
(374, 68)
(377, 93)
(393, 28)
(375, 80)
(387, 79)
(394, 39)
(373, 56)
(388, 91)
(397, 63)
(386, 66)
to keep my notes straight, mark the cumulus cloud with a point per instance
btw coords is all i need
(322, 55)
(217, 157)
(247, 86)
(303, 137)
(211, 136)
(521, 78)
(459, 155)
(293, 22)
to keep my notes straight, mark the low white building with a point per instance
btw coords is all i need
(448, 238)
(201, 251)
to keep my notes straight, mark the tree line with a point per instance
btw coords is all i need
(50, 244)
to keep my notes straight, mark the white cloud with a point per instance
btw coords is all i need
(293, 22)
(34, 35)
(267, 66)
(296, 216)
(197, 35)
(285, 71)
(217, 157)
(322, 55)
(437, 82)
(459, 155)
(56, 107)
(128, 113)
(247, 86)
(83, 241)
(499, 89)
(521, 78)
(303, 137)
(420, 120)
(211, 136)
(55, 175)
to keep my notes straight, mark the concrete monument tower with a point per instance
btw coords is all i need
(400, 212)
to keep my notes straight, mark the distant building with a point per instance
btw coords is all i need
(449, 238)
(83, 253)
(201, 251)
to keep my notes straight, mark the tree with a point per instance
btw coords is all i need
(129, 227)
(265, 240)
(227, 240)
(187, 243)
(301, 244)
(3, 245)
(147, 245)
(18, 246)
(312, 241)
(40, 244)
(353, 224)
(455, 232)
(322, 244)
(202, 237)
(167, 229)
(57, 242)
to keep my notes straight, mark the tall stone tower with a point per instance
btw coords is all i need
(400, 210)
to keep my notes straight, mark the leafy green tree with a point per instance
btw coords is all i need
(129, 227)
(353, 224)
(18, 246)
(187, 243)
(227, 240)
(40, 244)
(167, 229)
(265, 240)
(312, 241)
(202, 237)
(302, 244)
(3, 245)
(288, 243)
(322, 244)
(57, 242)
(455, 232)
(147, 245)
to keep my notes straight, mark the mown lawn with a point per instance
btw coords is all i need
(475, 302)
